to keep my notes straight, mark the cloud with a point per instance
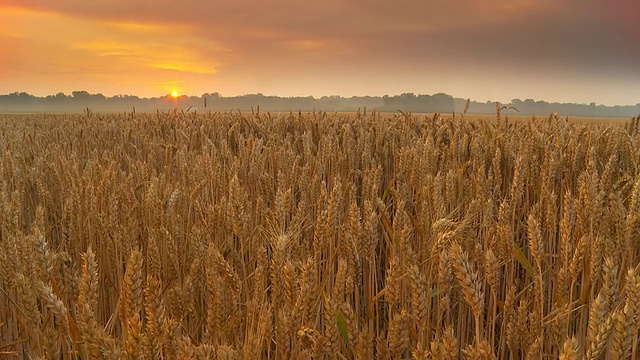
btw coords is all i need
(252, 27)
(55, 45)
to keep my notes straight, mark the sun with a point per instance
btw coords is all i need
(174, 94)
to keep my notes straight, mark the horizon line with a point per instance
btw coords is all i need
(169, 95)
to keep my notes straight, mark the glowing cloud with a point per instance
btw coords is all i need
(100, 55)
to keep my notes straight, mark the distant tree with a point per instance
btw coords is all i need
(80, 95)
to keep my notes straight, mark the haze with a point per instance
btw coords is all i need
(564, 51)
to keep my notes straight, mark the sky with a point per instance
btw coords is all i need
(579, 51)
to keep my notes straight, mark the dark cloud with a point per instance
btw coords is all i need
(539, 44)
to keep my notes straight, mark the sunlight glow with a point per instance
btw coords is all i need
(174, 94)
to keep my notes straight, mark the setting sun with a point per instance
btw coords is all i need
(174, 94)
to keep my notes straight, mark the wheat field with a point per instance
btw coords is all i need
(318, 236)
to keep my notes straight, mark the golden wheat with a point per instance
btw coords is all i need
(310, 236)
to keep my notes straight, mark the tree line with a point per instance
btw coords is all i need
(79, 101)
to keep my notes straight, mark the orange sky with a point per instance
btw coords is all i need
(573, 51)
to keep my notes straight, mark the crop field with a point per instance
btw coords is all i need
(318, 236)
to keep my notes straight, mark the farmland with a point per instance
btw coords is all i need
(312, 235)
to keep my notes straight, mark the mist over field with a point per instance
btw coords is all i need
(80, 101)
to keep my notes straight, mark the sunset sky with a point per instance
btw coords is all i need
(567, 51)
